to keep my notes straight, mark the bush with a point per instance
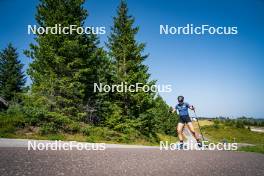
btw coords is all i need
(14, 109)
(96, 131)
(7, 130)
(48, 128)
(216, 121)
(239, 124)
(126, 127)
(13, 116)
(10, 122)
(100, 134)
(113, 117)
(86, 130)
(73, 127)
(216, 126)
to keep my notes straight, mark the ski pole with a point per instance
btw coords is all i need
(198, 124)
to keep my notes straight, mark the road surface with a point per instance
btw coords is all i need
(122, 161)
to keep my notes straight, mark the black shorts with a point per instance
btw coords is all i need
(185, 119)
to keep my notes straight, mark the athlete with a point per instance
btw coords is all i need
(182, 108)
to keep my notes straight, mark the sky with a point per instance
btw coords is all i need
(221, 75)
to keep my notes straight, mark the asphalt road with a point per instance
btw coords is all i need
(128, 161)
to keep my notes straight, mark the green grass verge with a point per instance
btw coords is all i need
(232, 134)
(257, 149)
(122, 139)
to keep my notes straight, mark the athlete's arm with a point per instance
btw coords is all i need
(175, 110)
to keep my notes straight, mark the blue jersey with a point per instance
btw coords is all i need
(183, 109)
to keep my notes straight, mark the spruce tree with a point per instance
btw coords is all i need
(127, 55)
(12, 78)
(65, 66)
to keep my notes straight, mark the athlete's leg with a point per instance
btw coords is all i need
(179, 131)
(191, 128)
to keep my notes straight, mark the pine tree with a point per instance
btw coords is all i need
(127, 55)
(12, 78)
(65, 66)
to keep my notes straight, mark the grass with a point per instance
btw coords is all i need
(204, 123)
(257, 149)
(232, 134)
(218, 132)
(107, 136)
(170, 139)
(122, 139)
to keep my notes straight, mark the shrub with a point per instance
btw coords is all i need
(34, 115)
(14, 109)
(73, 127)
(48, 128)
(7, 130)
(86, 130)
(239, 124)
(35, 109)
(113, 117)
(13, 116)
(216, 126)
(56, 137)
(216, 121)
(100, 134)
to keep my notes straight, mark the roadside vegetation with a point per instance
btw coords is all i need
(256, 149)
(16, 123)
(61, 102)
(235, 130)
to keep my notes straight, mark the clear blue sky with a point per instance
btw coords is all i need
(220, 75)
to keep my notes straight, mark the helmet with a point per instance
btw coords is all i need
(180, 99)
